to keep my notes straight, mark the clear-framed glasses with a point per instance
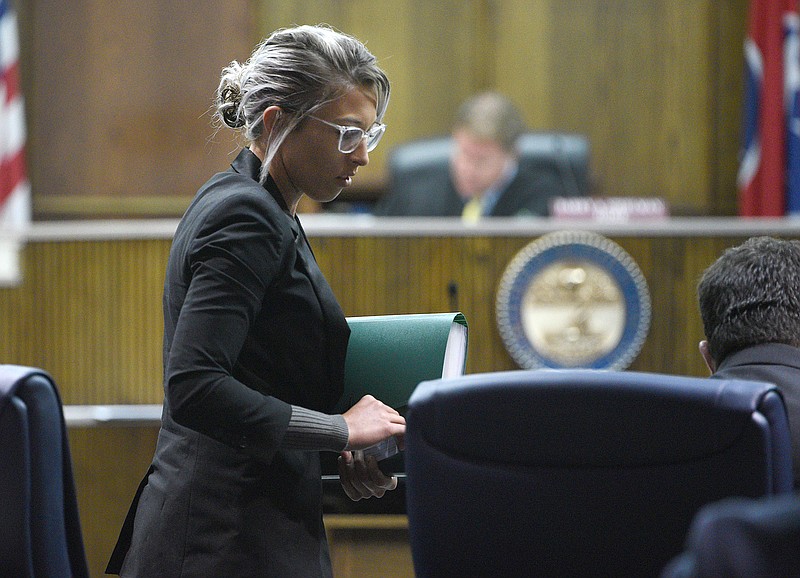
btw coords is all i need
(351, 136)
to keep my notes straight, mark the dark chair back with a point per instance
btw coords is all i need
(39, 524)
(580, 472)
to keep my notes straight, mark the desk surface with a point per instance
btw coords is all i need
(347, 225)
(112, 415)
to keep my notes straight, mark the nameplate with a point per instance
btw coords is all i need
(616, 209)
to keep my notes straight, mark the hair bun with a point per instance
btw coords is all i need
(230, 97)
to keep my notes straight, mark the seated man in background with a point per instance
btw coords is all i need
(484, 177)
(750, 306)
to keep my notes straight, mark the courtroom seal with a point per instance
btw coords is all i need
(573, 299)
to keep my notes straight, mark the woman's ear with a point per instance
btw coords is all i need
(706, 353)
(269, 118)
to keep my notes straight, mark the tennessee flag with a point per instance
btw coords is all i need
(769, 169)
(14, 188)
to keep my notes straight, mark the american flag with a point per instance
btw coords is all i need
(15, 190)
(769, 169)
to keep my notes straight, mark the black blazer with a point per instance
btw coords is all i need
(250, 327)
(774, 363)
(742, 537)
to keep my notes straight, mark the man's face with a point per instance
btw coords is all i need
(477, 163)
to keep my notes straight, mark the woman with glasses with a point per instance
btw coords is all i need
(254, 339)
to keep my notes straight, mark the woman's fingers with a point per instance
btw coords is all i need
(362, 478)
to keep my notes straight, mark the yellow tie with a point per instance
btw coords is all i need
(472, 211)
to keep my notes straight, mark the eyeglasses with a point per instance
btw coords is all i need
(351, 136)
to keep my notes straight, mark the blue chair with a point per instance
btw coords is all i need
(40, 534)
(580, 472)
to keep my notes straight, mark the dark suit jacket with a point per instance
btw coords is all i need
(742, 538)
(250, 327)
(436, 196)
(774, 363)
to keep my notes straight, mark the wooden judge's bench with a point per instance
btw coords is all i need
(88, 310)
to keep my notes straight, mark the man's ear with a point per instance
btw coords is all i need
(704, 351)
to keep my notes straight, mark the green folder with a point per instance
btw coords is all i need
(389, 355)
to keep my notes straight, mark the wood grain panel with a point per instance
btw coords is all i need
(118, 106)
(730, 25)
(633, 76)
(90, 311)
(416, 274)
(369, 545)
(655, 85)
(108, 464)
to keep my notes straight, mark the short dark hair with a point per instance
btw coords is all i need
(751, 295)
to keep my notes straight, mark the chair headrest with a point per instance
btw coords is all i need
(620, 418)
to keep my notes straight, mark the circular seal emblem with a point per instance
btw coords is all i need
(573, 299)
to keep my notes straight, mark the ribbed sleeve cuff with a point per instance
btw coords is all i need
(311, 430)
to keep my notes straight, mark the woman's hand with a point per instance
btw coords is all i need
(371, 421)
(362, 478)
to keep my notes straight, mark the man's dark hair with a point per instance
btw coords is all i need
(751, 295)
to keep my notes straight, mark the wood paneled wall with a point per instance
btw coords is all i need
(118, 98)
(90, 311)
(644, 80)
(406, 275)
(118, 107)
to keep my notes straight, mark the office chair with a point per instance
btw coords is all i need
(558, 158)
(40, 534)
(580, 472)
